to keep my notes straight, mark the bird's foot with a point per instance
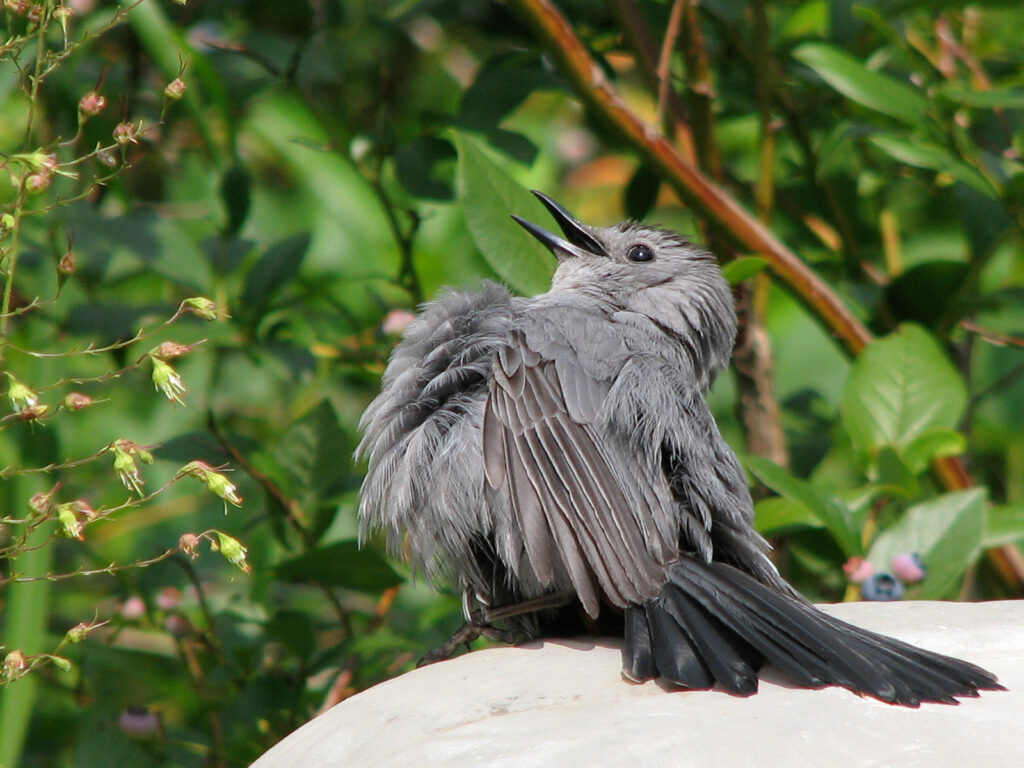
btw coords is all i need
(480, 624)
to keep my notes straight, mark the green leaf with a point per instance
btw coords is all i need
(641, 193)
(490, 196)
(827, 510)
(1004, 525)
(933, 157)
(945, 532)
(933, 444)
(1007, 98)
(986, 221)
(341, 564)
(926, 292)
(893, 475)
(418, 167)
(738, 270)
(871, 89)
(275, 270)
(313, 455)
(235, 191)
(777, 514)
(900, 387)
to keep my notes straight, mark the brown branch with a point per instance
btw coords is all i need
(693, 186)
(711, 201)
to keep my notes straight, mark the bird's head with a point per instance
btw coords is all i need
(652, 272)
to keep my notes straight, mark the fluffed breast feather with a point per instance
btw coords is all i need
(421, 481)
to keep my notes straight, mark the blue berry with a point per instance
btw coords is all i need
(881, 587)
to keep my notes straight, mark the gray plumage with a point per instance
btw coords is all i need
(562, 444)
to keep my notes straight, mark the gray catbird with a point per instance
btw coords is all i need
(561, 445)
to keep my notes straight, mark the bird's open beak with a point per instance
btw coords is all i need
(578, 242)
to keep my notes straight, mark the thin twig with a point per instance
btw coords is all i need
(665, 58)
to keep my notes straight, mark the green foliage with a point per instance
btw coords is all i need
(328, 168)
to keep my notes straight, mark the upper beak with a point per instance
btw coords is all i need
(579, 242)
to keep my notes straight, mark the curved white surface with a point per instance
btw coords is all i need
(565, 704)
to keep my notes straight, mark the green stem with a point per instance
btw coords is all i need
(26, 615)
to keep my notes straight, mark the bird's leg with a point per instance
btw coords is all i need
(480, 618)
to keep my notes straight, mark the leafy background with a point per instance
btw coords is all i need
(332, 165)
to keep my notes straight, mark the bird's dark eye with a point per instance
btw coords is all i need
(640, 252)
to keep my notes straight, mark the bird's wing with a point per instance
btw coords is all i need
(583, 504)
(424, 483)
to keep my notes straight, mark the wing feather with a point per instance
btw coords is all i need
(559, 475)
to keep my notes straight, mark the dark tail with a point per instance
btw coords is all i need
(714, 624)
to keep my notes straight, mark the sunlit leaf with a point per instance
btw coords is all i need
(900, 387)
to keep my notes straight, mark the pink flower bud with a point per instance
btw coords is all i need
(91, 104)
(175, 89)
(908, 567)
(397, 320)
(76, 401)
(189, 544)
(15, 663)
(133, 608)
(170, 350)
(858, 569)
(66, 265)
(126, 133)
(38, 182)
(168, 598)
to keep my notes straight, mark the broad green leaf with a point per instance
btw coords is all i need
(780, 513)
(827, 510)
(933, 157)
(1004, 525)
(900, 387)
(490, 196)
(738, 270)
(874, 90)
(946, 532)
(341, 564)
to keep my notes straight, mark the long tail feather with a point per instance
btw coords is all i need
(714, 624)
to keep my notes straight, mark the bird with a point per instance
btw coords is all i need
(555, 458)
